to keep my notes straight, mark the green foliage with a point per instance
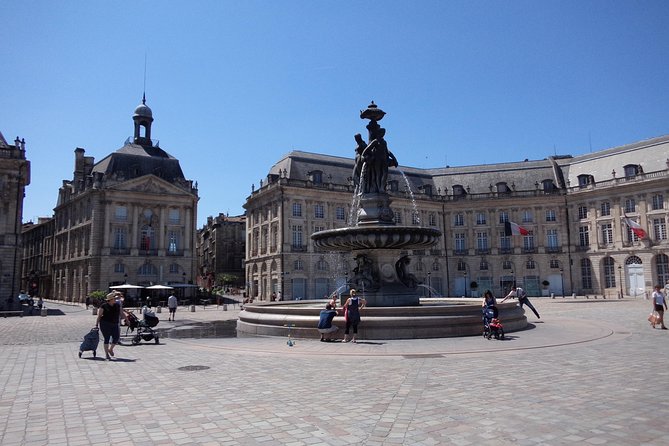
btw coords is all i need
(97, 297)
(226, 279)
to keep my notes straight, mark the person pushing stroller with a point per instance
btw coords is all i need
(492, 326)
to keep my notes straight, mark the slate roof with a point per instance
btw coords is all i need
(134, 160)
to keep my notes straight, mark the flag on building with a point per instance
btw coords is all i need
(511, 228)
(635, 227)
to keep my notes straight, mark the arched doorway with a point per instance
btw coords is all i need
(634, 274)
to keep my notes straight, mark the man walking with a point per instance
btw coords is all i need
(172, 304)
(520, 294)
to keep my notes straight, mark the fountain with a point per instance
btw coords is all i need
(381, 273)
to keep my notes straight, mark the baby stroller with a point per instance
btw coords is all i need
(492, 326)
(144, 328)
(90, 342)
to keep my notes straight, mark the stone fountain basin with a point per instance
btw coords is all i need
(449, 317)
(376, 237)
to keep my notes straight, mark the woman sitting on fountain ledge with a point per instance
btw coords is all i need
(352, 309)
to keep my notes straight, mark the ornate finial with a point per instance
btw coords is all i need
(144, 98)
(373, 113)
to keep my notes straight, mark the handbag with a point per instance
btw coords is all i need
(653, 318)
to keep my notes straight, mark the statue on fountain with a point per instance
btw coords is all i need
(374, 156)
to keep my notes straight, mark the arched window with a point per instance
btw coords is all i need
(548, 185)
(609, 272)
(586, 274)
(483, 266)
(585, 179)
(530, 264)
(435, 266)
(458, 191)
(502, 188)
(321, 265)
(462, 266)
(298, 265)
(633, 260)
(147, 269)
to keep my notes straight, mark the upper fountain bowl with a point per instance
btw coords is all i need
(376, 237)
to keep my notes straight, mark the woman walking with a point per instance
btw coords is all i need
(109, 315)
(352, 309)
(659, 305)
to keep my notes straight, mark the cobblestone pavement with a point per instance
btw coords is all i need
(588, 372)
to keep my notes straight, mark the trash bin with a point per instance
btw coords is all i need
(159, 309)
(225, 307)
(192, 308)
(43, 312)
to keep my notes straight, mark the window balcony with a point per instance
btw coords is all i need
(461, 252)
(529, 250)
(178, 253)
(483, 251)
(435, 252)
(148, 252)
(553, 249)
(506, 250)
(120, 251)
(298, 248)
(583, 248)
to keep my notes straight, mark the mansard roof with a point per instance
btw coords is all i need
(134, 160)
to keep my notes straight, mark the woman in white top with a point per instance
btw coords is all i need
(659, 305)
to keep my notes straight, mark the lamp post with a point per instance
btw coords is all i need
(562, 280)
(620, 274)
(429, 284)
(465, 274)
(125, 278)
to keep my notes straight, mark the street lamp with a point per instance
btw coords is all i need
(562, 280)
(429, 284)
(125, 278)
(465, 274)
(620, 273)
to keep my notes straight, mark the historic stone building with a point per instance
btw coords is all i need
(129, 218)
(14, 177)
(572, 207)
(37, 244)
(221, 247)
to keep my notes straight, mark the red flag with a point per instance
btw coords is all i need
(635, 227)
(511, 228)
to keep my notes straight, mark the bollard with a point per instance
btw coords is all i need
(94, 312)
(192, 308)
(159, 309)
(225, 307)
(43, 312)
(552, 295)
(573, 295)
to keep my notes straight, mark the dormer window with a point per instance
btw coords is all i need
(427, 189)
(316, 176)
(585, 179)
(632, 170)
(502, 188)
(459, 191)
(548, 185)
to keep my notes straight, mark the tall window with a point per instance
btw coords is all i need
(550, 214)
(504, 241)
(583, 236)
(459, 220)
(319, 211)
(609, 272)
(321, 265)
(662, 265)
(658, 202)
(462, 266)
(119, 267)
(415, 219)
(480, 218)
(174, 216)
(607, 234)
(147, 239)
(298, 265)
(460, 244)
(147, 269)
(552, 238)
(397, 217)
(582, 212)
(586, 274)
(503, 217)
(630, 205)
(319, 228)
(341, 213)
(660, 229)
(605, 208)
(119, 238)
(174, 268)
(482, 241)
(297, 236)
(554, 263)
(528, 217)
(121, 213)
(432, 219)
(530, 264)
(631, 237)
(297, 209)
(528, 242)
(172, 241)
(483, 265)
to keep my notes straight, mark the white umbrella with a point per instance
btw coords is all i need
(125, 286)
(159, 287)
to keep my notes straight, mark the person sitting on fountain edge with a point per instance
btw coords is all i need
(325, 327)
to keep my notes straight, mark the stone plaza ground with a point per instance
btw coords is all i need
(588, 372)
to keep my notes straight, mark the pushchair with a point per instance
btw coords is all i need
(143, 328)
(492, 326)
(90, 342)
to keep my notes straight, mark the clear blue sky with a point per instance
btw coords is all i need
(234, 85)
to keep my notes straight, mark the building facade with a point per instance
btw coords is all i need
(221, 247)
(14, 177)
(573, 208)
(37, 245)
(129, 218)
